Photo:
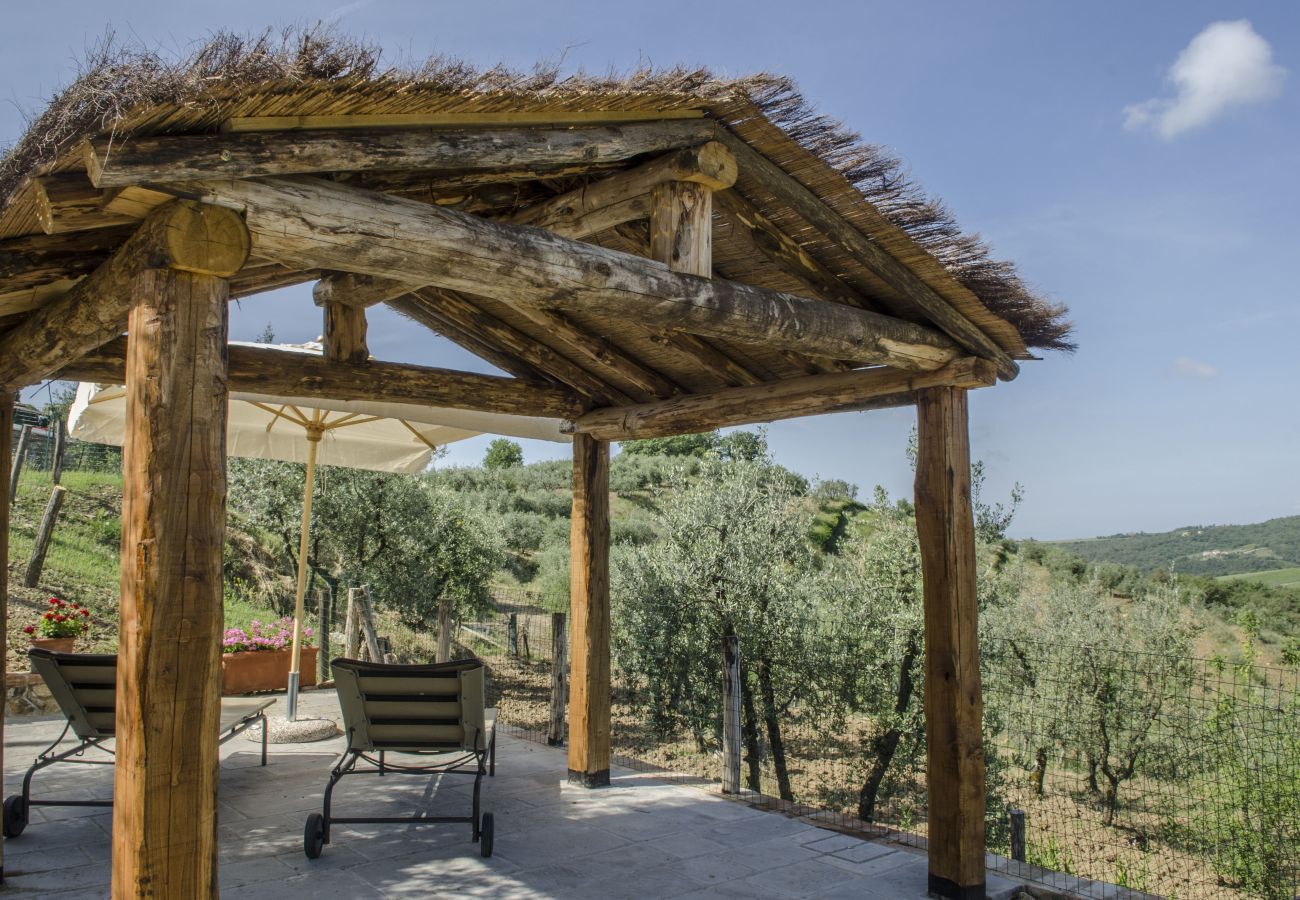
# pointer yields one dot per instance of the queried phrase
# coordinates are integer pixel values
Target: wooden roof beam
(422, 312)
(915, 297)
(318, 224)
(786, 399)
(114, 162)
(186, 236)
(264, 370)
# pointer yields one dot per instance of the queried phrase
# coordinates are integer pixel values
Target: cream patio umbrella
(379, 436)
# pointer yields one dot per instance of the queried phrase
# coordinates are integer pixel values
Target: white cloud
(1225, 66)
(1194, 368)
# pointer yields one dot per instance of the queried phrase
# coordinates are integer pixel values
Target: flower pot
(264, 670)
(58, 645)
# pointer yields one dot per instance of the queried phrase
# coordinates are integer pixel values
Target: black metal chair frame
(478, 763)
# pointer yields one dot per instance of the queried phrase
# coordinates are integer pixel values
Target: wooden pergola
(641, 259)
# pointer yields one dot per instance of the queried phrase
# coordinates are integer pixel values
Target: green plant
(61, 620)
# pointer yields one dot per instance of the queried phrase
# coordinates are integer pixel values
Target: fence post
(20, 452)
(42, 544)
(731, 714)
(322, 637)
(512, 634)
(368, 625)
(1018, 835)
(60, 443)
(352, 627)
(559, 662)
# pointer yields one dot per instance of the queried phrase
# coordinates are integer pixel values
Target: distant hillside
(1200, 549)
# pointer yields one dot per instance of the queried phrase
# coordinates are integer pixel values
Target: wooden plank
(953, 701)
(156, 159)
(589, 698)
(312, 223)
(914, 297)
(173, 523)
(185, 236)
(44, 533)
(519, 118)
(264, 370)
(68, 202)
(788, 398)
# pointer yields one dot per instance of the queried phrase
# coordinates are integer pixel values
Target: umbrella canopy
(383, 437)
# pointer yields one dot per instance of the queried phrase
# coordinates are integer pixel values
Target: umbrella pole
(313, 440)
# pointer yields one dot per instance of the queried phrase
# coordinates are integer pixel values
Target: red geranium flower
(30, 629)
(48, 615)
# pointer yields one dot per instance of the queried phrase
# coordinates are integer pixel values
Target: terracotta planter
(264, 670)
(58, 645)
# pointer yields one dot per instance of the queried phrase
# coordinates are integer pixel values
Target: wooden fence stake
(352, 627)
(1018, 835)
(512, 634)
(559, 662)
(20, 453)
(368, 625)
(60, 444)
(322, 637)
(731, 714)
(37, 561)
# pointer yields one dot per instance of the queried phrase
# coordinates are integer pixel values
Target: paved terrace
(641, 837)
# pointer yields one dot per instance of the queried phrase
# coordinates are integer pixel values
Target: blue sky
(1142, 174)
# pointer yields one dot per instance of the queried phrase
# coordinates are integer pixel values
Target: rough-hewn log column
(6, 438)
(788, 398)
(311, 223)
(345, 333)
(173, 521)
(589, 724)
(185, 236)
(264, 370)
(953, 701)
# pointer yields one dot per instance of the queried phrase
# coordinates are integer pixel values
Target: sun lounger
(434, 712)
(85, 687)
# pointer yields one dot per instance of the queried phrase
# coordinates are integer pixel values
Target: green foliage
(697, 445)
(834, 489)
(503, 453)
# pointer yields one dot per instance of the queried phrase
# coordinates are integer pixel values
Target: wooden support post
(6, 438)
(173, 523)
(60, 447)
(43, 535)
(322, 636)
(731, 740)
(17, 468)
(1018, 835)
(953, 702)
(368, 625)
(345, 333)
(512, 634)
(352, 626)
(442, 651)
(589, 723)
(559, 664)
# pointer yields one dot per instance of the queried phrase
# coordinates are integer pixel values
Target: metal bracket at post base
(589, 779)
(291, 701)
(950, 890)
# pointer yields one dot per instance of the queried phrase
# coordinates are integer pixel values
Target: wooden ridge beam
(114, 162)
(915, 296)
(785, 399)
(262, 370)
(316, 224)
(184, 236)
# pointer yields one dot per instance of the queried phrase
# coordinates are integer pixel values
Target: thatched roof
(130, 92)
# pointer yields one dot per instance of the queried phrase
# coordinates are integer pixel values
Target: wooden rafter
(785, 399)
(152, 159)
(312, 223)
(419, 310)
(262, 370)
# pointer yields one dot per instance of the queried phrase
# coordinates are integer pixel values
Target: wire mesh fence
(1168, 776)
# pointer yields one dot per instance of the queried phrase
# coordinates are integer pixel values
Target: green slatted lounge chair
(85, 687)
(433, 712)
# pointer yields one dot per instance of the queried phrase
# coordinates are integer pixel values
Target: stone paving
(641, 837)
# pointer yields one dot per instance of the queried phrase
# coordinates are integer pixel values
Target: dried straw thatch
(132, 90)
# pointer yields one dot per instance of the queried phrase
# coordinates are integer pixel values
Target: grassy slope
(1275, 577)
(1210, 550)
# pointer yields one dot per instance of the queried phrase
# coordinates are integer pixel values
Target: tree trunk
(884, 746)
(1040, 770)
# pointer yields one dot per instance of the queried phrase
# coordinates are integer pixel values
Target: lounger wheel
(15, 815)
(485, 830)
(313, 836)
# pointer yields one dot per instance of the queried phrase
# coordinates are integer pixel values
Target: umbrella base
(299, 731)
